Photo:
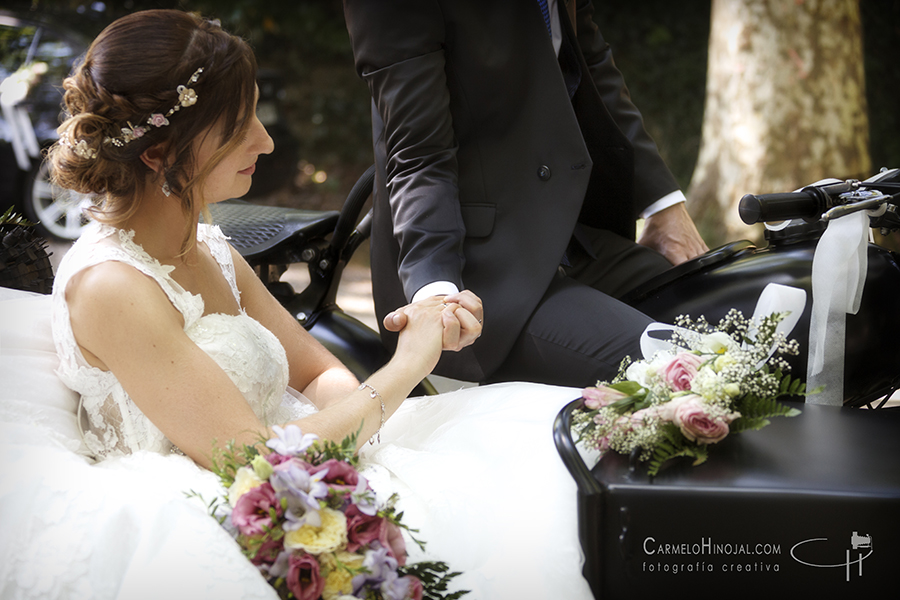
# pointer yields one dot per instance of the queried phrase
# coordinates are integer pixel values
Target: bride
(174, 345)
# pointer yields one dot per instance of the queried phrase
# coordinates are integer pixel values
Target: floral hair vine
(187, 96)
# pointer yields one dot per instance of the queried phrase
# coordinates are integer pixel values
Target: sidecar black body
(806, 507)
(733, 276)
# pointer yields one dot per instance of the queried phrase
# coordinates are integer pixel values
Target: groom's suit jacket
(488, 153)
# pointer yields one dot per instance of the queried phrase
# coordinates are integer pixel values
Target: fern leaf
(756, 407)
(747, 424)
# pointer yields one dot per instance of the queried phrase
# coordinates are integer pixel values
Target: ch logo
(858, 543)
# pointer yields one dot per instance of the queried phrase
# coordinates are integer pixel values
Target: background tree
(660, 46)
(785, 104)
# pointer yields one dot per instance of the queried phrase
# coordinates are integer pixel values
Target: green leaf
(631, 388)
(674, 445)
(752, 407)
(434, 577)
(747, 424)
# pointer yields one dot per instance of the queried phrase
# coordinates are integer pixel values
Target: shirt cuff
(436, 288)
(663, 203)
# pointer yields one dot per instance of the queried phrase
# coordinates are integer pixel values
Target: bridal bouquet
(308, 520)
(707, 382)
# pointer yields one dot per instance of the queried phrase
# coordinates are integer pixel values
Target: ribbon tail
(839, 272)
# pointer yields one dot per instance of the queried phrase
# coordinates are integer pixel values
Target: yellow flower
(338, 580)
(244, 481)
(329, 537)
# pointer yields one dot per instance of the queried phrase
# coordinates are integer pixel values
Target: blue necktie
(545, 10)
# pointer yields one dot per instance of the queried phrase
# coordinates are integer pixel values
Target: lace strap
(92, 249)
(218, 246)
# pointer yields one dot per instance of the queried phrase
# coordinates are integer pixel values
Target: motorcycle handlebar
(809, 203)
(759, 208)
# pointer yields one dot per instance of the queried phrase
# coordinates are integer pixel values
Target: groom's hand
(470, 313)
(467, 309)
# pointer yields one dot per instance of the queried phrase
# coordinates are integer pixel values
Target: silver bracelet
(374, 394)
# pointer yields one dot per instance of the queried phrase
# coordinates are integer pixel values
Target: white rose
(722, 362)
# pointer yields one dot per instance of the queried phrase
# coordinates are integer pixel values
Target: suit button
(544, 173)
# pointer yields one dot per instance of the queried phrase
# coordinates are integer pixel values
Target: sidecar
(806, 507)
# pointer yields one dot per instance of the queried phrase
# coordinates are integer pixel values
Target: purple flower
(396, 588)
(290, 440)
(279, 568)
(251, 513)
(380, 567)
(364, 498)
(301, 491)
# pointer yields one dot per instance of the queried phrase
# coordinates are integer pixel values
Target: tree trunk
(785, 105)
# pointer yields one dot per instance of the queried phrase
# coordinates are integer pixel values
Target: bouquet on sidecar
(692, 391)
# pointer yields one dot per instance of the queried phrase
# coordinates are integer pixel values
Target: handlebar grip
(759, 208)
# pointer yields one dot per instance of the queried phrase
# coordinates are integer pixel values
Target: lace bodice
(250, 354)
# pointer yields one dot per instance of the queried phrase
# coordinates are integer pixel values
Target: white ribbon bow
(774, 298)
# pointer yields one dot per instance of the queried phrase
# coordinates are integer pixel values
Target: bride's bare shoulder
(112, 290)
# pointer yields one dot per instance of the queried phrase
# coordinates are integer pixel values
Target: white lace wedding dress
(476, 471)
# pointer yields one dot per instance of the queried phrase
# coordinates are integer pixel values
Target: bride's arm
(124, 323)
(313, 369)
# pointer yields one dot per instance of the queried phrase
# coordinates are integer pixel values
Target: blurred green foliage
(659, 45)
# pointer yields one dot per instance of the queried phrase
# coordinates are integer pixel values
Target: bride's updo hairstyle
(134, 70)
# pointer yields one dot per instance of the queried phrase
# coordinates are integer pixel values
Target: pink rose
(303, 577)
(362, 529)
(697, 425)
(251, 513)
(394, 542)
(157, 120)
(340, 473)
(276, 459)
(681, 370)
(415, 588)
(600, 396)
(268, 552)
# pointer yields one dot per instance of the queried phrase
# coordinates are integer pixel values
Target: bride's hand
(429, 326)
(469, 314)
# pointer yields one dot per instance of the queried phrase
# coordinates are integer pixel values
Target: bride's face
(231, 178)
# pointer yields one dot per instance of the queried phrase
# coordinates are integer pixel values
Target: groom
(512, 165)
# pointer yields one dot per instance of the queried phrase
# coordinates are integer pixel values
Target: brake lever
(879, 200)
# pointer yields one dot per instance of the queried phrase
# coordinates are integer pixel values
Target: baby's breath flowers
(714, 380)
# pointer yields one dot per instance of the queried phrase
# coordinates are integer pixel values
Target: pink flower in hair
(158, 120)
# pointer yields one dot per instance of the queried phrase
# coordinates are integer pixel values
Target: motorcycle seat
(705, 261)
(271, 234)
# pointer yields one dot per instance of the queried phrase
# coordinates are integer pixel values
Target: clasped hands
(462, 316)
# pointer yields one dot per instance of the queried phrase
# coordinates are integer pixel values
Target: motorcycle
(731, 276)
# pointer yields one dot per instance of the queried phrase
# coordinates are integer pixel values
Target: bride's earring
(166, 189)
